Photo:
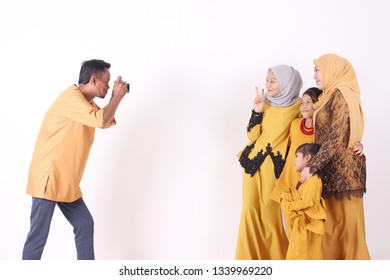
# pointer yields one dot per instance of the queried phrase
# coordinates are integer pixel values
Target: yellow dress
(261, 234)
(289, 177)
(305, 210)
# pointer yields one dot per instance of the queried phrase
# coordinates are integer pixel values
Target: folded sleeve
(78, 109)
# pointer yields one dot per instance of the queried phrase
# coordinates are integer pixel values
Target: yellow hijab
(338, 74)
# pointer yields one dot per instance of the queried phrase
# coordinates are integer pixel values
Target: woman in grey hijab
(290, 83)
(261, 233)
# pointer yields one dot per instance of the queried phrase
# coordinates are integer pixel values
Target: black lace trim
(252, 165)
(327, 193)
(343, 195)
(256, 118)
(277, 161)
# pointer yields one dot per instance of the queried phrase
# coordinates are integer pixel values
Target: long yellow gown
(261, 234)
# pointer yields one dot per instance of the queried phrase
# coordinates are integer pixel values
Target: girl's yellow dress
(299, 135)
(305, 212)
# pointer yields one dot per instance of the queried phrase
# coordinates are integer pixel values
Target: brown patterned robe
(343, 174)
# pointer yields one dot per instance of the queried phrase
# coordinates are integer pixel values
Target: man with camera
(60, 156)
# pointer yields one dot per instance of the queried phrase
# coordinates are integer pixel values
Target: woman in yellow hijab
(339, 123)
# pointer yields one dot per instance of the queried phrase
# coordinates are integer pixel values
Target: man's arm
(119, 91)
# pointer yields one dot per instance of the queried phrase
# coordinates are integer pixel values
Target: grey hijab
(290, 84)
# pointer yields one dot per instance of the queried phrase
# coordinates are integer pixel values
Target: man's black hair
(92, 67)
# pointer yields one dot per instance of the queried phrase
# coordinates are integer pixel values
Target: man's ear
(93, 80)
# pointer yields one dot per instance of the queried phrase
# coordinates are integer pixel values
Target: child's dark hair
(308, 149)
(314, 93)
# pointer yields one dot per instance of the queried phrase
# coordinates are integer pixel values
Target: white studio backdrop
(165, 182)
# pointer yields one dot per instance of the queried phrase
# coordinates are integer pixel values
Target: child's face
(300, 162)
(272, 84)
(307, 109)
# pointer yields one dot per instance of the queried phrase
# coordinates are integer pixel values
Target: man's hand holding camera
(120, 87)
(119, 91)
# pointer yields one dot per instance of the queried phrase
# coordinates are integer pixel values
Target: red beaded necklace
(305, 130)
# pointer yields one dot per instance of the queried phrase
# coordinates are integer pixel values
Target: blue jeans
(76, 213)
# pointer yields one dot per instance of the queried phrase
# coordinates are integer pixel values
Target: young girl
(305, 210)
(301, 131)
